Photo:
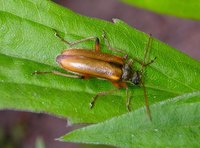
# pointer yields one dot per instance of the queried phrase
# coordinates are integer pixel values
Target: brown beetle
(94, 63)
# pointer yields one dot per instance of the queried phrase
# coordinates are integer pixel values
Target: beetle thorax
(129, 75)
(127, 72)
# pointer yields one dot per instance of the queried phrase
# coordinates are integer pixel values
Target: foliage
(180, 8)
(28, 43)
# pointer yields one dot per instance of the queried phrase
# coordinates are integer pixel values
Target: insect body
(94, 63)
(89, 63)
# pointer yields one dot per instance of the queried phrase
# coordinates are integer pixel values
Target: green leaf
(180, 8)
(28, 43)
(39, 143)
(176, 123)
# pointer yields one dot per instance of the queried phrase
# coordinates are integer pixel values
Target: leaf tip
(61, 139)
(119, 22)
(116, 20)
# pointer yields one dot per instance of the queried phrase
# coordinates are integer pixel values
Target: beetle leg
(146, 100)
(120, 84)
(128, 101)
(85, 76)
(130, 62)
(82, 40)
(110, 47)
(125, 57)
(144, 64)
(145, 55)
(59, 73)
(150, 39)
(57, 35)
(97, 47)
(150, 62)
(128, 98)
(94, 99)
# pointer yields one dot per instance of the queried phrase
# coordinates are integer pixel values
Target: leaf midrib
(54, 67)
(148, 86)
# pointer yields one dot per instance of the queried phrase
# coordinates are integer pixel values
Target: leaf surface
(176, 123)
(28, 43)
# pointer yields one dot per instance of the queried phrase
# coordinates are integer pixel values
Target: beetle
(84, 63)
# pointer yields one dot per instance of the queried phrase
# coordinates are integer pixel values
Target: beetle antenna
(146, 101)
(145, 54)
(142, 79)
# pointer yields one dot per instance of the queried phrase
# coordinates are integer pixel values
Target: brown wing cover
(89, 66)
(94, 55)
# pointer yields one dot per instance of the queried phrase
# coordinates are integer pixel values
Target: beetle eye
(136, 78)
(136, 81)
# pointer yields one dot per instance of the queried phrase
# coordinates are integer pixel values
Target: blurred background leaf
(180, 8)
(39, 143)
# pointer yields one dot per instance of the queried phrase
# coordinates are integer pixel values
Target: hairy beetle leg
(94, 99)
(97, 45)
(58, 73)
(128, 101)
(110, 47)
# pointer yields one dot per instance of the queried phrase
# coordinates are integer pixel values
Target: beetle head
(130, 75)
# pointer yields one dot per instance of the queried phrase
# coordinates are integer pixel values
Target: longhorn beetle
(94, 63)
